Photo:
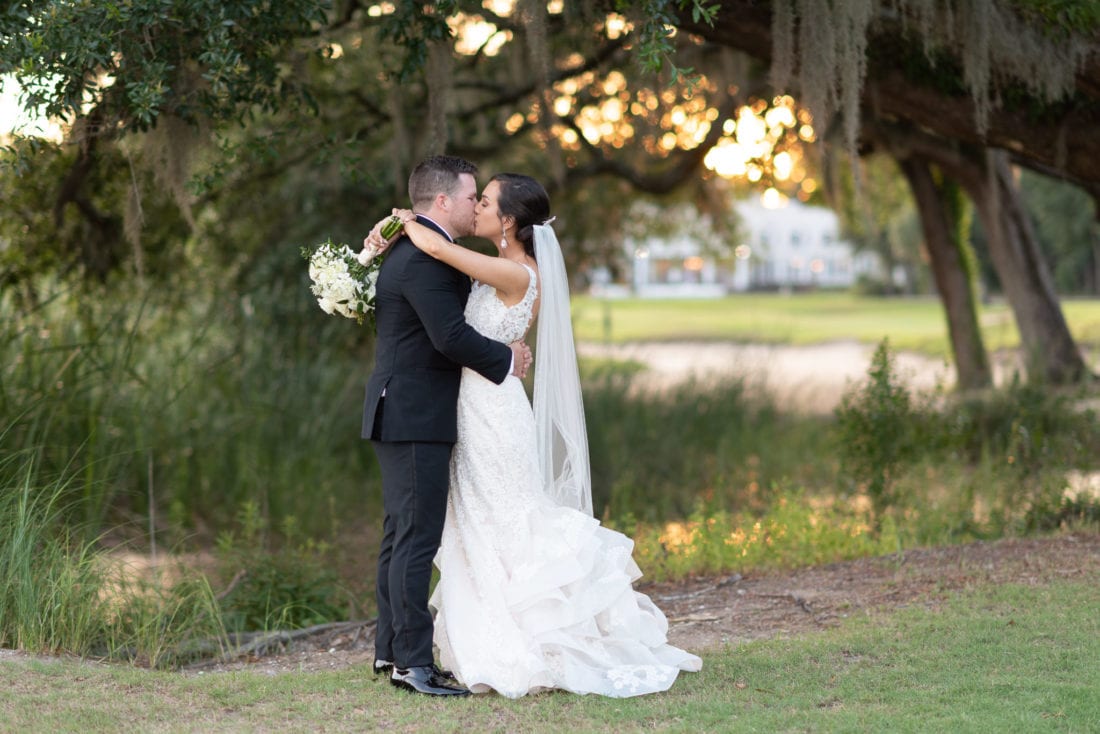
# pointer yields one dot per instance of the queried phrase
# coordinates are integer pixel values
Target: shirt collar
(438, 226)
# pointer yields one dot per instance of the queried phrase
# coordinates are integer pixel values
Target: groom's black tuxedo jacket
(422, 344)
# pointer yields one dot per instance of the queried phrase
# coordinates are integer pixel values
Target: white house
(788, 247)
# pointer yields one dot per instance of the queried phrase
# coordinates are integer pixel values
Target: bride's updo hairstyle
(524, 199)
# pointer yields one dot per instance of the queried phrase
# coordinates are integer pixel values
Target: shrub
(289, 587)
(1031, 425)
(795, 530)
(878, 430)
(1048, 513)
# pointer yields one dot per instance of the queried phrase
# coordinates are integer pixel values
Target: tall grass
(659, 455)
(52, 586)
(206, 403)
(162, 415)
(910, 469)
(200, 395)
(193, 415)
(60, 593)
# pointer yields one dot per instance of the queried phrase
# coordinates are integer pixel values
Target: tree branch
(685, 165)
(1064, 143)
(511, 96)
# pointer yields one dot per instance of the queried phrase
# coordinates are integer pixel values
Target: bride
(533, 593)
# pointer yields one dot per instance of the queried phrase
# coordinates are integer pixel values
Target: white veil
(559, 410)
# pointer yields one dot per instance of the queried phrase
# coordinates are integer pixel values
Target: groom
(410, 414)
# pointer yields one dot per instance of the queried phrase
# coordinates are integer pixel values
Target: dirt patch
(711, 613)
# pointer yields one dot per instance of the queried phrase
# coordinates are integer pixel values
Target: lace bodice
(488, 314)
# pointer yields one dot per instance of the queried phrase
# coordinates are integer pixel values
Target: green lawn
(910, 323)
(995, 659)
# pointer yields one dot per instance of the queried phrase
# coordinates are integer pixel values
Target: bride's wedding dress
(533, 595)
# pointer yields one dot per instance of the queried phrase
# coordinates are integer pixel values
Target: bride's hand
(405, 215)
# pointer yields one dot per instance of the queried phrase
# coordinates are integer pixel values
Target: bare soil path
(709, 613)
(804, 378)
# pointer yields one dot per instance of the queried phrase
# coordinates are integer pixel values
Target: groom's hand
(374, 243)
(521, 359)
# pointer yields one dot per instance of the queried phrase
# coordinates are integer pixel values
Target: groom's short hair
(437, 175)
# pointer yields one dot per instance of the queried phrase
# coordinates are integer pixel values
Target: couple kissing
(534, 593)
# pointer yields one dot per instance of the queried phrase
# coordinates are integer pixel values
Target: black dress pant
(415, 477)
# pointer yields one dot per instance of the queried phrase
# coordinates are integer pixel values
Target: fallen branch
(260, 644)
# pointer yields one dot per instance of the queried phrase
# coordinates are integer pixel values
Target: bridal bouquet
(343, 282)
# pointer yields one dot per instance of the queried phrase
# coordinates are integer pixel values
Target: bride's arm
(509, 278)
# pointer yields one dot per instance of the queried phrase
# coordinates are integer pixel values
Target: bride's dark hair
(525, 200)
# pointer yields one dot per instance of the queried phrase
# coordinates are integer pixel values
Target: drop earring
(503, 241)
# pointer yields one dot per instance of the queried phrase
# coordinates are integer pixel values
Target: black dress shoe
(424, 679)
(386, 666)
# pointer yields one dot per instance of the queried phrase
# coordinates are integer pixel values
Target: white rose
(327, 305)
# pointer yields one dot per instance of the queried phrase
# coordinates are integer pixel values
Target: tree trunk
(1050, 352)
(1094, 286)
(1094, 261)
(951, 270)
(889, 264)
